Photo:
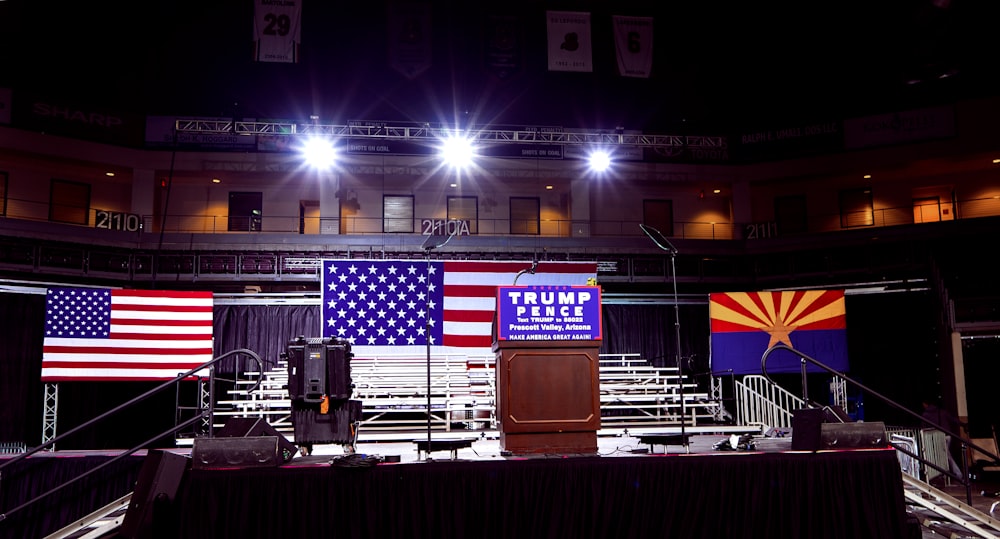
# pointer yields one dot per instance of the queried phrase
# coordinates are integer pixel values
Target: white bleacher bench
(393, 392)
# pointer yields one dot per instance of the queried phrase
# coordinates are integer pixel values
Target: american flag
(384, 306)
(127, 335)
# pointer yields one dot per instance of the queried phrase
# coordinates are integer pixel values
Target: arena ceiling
(717, 65)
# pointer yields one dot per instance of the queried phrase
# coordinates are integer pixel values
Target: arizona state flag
(744, 325)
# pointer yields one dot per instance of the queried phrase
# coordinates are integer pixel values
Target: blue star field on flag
(383, 303)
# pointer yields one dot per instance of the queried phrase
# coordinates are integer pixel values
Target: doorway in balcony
(933, 204)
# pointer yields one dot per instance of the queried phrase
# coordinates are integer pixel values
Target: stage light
(599, 161)
(319, 152)
(458, 152)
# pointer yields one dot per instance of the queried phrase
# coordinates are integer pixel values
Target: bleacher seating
(393, 391)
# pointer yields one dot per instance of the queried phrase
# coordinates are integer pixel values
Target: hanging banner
(409, 38)
(503, 45)
(569, 41)
(634, 45)
(277, 30)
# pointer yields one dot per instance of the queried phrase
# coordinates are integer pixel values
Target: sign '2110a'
(445, 227)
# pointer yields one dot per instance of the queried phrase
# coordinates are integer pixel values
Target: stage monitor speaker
(806, 423)
(248, 452)
(152, 500)
(240, 427)
(854, 435)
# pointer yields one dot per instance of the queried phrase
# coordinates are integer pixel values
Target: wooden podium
(548, 396)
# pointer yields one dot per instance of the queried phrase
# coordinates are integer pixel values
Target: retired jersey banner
(101, 334)
(744, 325)
(504, 41)
(392, 307)
(409, 38)
(634, 45)
(277, 30)
(569, 41)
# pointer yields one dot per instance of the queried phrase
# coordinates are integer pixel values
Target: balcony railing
(31, 210)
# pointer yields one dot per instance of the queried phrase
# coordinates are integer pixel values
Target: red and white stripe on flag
(470, 293)
(634, 45)
(277, 30)
(99, 334)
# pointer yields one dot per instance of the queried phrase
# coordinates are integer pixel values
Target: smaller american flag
(104, 334)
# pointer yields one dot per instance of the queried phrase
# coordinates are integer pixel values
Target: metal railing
(165, 385)
(205, 223)
(761, 402)
(805, 360)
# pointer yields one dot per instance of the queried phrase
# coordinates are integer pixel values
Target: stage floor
(745, 481)
(487, 447)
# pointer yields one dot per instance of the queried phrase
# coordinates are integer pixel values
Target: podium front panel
(548, 387)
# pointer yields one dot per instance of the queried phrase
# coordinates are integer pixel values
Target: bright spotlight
(458, 152)
(319, 153)
(600, 161)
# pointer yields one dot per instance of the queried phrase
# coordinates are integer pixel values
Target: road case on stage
(319, 369)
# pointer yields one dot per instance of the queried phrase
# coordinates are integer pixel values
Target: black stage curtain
(22, 326)
(648, 330)
(36, 475)
(847, 494)
(651, 331)
(262, 329)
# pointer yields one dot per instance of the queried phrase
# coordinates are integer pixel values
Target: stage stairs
(393, 391)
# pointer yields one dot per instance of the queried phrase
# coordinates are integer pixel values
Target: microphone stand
(431, 243)
(663, 243)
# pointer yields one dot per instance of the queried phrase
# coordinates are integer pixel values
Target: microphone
(658, 238)
(531, 270)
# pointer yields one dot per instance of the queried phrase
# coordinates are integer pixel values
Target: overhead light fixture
(457, 151)
(868, 176)
(717, 191)
(109, 174)
(216, 180)
(319, 152)
(599, 160)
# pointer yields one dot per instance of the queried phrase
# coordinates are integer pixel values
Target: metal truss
(426, 132)
(50, 411)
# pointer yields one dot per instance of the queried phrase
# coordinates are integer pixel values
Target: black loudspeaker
(854, 435)
(242, 427)
(153, 497)
(248, 452)
(806, 423)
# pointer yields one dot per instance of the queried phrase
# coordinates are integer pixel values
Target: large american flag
(127, 335)
(384, 307)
